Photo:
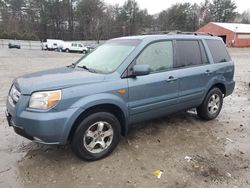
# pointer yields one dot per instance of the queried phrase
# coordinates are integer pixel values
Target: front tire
(211, 106)
(96, 136)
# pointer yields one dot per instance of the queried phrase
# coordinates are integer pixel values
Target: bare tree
(245, 17)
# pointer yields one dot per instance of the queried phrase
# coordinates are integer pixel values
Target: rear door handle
(171, 79)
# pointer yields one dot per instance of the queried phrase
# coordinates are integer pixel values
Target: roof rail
(177, 32)
(158, 32)
(195, 33)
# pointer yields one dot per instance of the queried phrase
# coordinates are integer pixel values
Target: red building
(233, 34)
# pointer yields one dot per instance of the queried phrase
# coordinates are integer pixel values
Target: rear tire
(96, 136)
(211, 106)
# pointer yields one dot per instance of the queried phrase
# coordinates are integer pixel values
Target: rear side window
(218, 51)
(188, 53)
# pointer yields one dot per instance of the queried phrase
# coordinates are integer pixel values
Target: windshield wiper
(72, 65)
(88, 69)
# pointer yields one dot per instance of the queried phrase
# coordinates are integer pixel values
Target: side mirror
(141, 70)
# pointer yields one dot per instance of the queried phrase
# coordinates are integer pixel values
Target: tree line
(96, 20)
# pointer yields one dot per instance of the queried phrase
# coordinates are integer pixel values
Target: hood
(55, 79)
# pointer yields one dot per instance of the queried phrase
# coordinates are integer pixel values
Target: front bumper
(42, 127)
(18, 130)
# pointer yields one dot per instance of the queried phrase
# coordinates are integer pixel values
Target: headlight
(44, 100)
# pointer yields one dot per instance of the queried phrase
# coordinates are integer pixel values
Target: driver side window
(159, 56)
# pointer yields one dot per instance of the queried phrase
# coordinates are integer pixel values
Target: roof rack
(177, 32)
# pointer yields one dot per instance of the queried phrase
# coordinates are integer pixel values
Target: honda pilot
(94, 101)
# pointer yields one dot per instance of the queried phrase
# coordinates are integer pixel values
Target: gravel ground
(188, 151)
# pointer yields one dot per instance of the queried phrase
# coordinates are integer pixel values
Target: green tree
(3, 14)
(180, 16)
(205, 13)
(95, 19)
(145, 21)
(50, 18)
(2, 3)
(223, 10)
(14, 14)
(128, 15)
(89, 16)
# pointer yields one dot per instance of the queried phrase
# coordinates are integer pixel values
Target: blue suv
(127, 80)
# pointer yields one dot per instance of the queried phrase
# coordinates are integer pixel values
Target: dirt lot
(218, 151)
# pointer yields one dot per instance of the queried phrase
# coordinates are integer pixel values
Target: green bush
(33, 36)
(25, 36)
(15, 35)
(18, 36)
(4, 35)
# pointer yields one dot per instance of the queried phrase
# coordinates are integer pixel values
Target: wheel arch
(212, 85)
(106, 107)
(221, 86)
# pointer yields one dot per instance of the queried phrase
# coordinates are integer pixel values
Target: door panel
(152, 95)
(195, 72)
(73, 47)
(153, 92)
(193, 83)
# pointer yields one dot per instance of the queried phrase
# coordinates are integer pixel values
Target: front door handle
(208, 72)
(171, 79)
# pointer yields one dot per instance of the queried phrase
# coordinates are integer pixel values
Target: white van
(52, 44)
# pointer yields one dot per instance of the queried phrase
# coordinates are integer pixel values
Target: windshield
(108, 57)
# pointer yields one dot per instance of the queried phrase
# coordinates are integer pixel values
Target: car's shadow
(164, 137)
(152, 127)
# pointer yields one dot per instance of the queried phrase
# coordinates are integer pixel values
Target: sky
(156, 6)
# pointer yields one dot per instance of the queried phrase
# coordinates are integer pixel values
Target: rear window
(188, 53)
(218, 51)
